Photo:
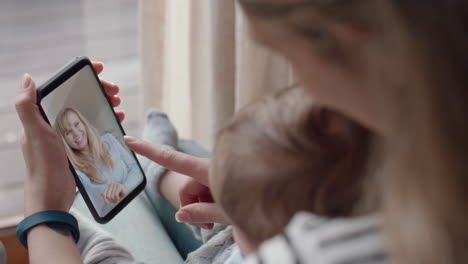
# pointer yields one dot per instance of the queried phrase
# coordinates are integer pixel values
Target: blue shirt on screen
(125, 172)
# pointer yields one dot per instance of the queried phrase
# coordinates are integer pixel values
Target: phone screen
(106, 168)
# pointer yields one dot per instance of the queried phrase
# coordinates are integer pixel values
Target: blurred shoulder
(311, 239)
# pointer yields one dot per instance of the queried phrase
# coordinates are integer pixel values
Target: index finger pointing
(191, 166)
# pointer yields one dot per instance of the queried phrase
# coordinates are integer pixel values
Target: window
(38, 37)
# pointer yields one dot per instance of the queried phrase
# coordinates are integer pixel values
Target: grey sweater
(307, 239)
(218, 247)
(98, 247)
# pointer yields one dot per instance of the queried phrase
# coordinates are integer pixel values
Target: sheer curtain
(200, 66)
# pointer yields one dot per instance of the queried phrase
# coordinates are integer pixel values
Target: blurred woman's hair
(97, 150)
(422, 180)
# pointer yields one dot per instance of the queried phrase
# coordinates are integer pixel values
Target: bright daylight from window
(38, 37)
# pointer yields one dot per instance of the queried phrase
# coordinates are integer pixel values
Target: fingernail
(182, 217)
(26, 81)
(129, 139)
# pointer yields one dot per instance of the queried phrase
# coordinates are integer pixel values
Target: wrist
(60, 222)
(41, 196)
(46, 228)
(35, 202)
(31, 208)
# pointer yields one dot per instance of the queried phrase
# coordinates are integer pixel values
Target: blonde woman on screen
(105, 168)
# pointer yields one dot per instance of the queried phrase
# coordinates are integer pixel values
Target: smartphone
(107, 173)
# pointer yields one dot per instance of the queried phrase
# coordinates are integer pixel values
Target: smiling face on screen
(75, 132)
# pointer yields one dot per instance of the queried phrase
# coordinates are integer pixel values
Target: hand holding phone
(49, 184)
(79, 108)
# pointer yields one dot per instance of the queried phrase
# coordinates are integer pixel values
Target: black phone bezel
(62, 75)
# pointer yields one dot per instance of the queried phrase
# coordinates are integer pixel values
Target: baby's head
(282, 155)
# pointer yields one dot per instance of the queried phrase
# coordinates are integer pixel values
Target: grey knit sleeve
(97, 247)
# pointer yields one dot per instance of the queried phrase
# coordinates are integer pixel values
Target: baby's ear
(336, 124)
(316, 125)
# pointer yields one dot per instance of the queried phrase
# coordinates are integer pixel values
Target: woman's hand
(194, 194)
(198, 208)
(49, 184)
(111, 90)
(114, 193)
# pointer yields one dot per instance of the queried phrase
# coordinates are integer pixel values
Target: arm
(119, 184)
(172, 185)
(49, 184)
(187, 183)
(169, 185)
(48, 246)
(98, 246)
(94, 192)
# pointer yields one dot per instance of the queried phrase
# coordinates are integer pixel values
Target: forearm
(48, 246)
(169, 185)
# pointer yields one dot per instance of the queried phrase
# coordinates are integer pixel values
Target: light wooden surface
(40, 36)
(16, 254)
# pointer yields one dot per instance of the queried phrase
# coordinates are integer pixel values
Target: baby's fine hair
(281, 155)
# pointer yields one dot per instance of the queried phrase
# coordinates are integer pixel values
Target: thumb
(25, 104)
(200, 213)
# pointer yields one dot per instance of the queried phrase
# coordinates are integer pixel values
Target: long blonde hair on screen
(421, 187)
(98, 151)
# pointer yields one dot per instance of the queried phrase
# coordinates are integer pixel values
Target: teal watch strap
(53, 219)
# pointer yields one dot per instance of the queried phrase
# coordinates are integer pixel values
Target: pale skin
(75, 133)
(49, 184)
(77, 138)
(345, 82)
